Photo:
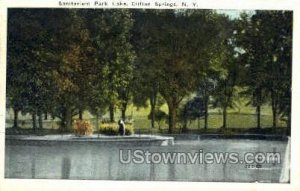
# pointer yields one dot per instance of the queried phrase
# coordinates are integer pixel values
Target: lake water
(96, 162)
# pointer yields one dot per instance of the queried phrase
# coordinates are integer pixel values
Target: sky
(233, 14)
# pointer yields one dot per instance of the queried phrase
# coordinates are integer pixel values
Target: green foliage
(30, 82)
(106, 58)
(68, 64)
(112, 56)
(160, 117)
(173, 57)
(113, 129)
(193, 109)
(265, 39)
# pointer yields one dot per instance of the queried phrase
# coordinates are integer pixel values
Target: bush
(160, 117)
(113, 128)
(82, 127)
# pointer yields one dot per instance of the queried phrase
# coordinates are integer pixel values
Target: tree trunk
(152, 117)
(274, 113)
(123, 114)
(80, 113)
(274, 110)
(34, 121)
(172, 118)
(16, 118)
(46, 116)
(68, 118)
(152, 104)
(185, 123)
(111, 113)
(40, 120)
(97, 121)
(258, 108)
(289, 124)
(63, 119)
(224, 117)
(206, 112)
(123, 111)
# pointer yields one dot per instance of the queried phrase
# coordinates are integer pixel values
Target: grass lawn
(244, 117)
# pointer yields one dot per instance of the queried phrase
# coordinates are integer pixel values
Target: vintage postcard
(130, 95)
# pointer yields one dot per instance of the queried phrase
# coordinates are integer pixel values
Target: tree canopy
(63, 62)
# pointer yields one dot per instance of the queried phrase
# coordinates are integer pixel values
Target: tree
(206, 88)
(225, 90)
(192, 110)
(178, 42)
(146, 84)
(72, 53)
(29, 80)
(114, 56)
(277, 29)
(70, 69)
(250, 39)
(160, 117)
(265, 39)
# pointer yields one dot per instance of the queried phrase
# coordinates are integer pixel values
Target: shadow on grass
(156, 131)
(38, 132)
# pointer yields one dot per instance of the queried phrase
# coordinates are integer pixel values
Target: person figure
(121, 127)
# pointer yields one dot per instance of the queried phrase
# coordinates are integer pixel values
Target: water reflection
(109, 167)
(152, 171)
(66, 168)
(171, 172)
(33, 168)
(100, 162)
